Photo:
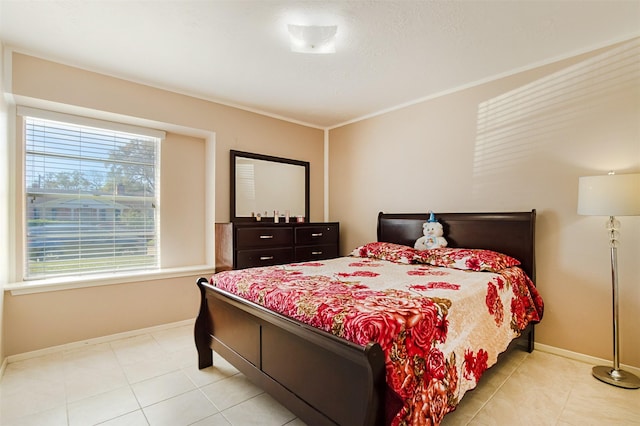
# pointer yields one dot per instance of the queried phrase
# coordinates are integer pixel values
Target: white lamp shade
(609, 195)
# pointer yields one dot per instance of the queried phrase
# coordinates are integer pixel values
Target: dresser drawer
(263, 237)
(263, 257)
(319, 252)
(318, 234)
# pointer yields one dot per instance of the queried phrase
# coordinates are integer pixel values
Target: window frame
(24, 113)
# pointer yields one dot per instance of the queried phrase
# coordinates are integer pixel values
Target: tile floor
(152, 379)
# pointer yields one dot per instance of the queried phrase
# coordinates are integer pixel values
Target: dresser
(267, 243)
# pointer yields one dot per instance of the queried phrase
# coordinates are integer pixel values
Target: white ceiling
(388, 53)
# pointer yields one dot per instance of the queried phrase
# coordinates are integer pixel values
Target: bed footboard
(202, 329)
(284, 357)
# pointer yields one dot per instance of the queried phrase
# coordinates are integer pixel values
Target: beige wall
(515, 143)
(43, 320)
(35, 321)
(233, 128)
(4, 200)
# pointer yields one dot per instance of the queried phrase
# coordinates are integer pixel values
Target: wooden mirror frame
(235, 154)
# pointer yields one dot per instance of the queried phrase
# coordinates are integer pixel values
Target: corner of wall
(4, 198)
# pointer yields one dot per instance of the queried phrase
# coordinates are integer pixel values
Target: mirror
(262, 183)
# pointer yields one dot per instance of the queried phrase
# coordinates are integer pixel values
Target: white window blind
(91, 198)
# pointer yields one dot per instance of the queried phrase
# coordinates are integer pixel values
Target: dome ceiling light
(312, 38)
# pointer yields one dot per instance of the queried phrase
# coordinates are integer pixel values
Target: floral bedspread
(440, 328)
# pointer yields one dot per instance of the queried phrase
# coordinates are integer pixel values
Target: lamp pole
(615, 376)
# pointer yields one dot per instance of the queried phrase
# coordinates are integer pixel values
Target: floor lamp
(612, 195)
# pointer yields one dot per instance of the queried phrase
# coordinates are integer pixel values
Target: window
(91, 196)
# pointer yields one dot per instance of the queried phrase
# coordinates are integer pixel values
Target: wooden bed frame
(322, 379)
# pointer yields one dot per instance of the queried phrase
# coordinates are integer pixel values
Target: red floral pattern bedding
(440, 328)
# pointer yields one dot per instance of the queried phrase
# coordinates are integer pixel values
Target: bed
(325, 379)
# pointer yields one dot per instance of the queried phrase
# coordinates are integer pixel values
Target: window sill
(70, 283)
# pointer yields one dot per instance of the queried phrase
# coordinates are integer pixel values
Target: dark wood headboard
(510, 233)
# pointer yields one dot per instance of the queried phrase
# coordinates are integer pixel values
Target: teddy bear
(432, 238)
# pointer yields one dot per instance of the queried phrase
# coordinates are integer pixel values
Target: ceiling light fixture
(312, 38)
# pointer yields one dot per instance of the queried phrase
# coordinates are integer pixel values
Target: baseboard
(583, 358)
(95, 341)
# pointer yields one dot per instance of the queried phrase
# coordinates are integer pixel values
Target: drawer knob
(266, 257)
(316, 253)
(319, 234)
(266, 237)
